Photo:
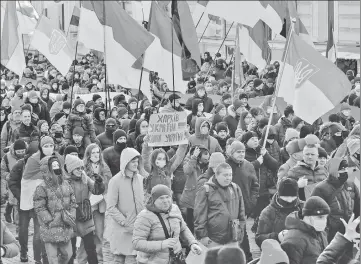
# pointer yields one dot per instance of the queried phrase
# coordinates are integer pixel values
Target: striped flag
(74, 20)
(27, 15)
(331, 45)
(52, 43)
(12, 50)
(309, 81)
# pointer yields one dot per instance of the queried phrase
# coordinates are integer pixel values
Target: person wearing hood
(54, 86)
(197, 111)
(3, 117)
(222, 135)
(202, 95)
(141, 128)
(50, 208)
(132, 106)
(341, 194)
(291, 134)
(269, 87)
(272, 219)
(232, 119)
(43, 127)
(284, 123)
(99, 120)
(45, 96)
(220, 112)
(124, 202)
(305, 237)
(202, 136)
(83, 187)
(112, 154)
(226, 100)
(18, 99)
(345, 115)
(106, 138)
(271, 253)
(56, 132)
(157, 245)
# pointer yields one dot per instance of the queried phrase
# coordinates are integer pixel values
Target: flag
(187, 36)
(125, 40)
(238, 69)
(53, 44)
(273, 14)
(51, 4)
(159, 57)
(254, 45)
(331, 45)
(309, 81)
(12, 50)
(74, 20)
(27, 15)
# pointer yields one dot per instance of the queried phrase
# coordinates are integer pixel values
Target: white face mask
(48, 151)
(160, 163)
(319, 224)
(270, 141)
(94, 158)
(288, 199)
(201, 93)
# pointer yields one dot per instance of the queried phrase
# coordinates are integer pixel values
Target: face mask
(94, 159)
(343, 176)
(204, 130)
(319, 224)
(270, 141)
(58, 135)
(48, 151)
(346, 112)
(121, 145)
(57, 172)
(160, 163)
(201, 93)
(288, 199)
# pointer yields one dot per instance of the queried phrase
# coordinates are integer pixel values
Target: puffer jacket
(105, 140)
(281, 127)
(192, 170)
(302, 243)
(8, 242)
(206, 140)
(273, 217)
(30, 134)
(49, 200)
(76, 119)
(179, 179)
(124, 202)
(244, 175)
(283, 170)
(215, 208)
(6, 133)
(343, 199)
(148, 234)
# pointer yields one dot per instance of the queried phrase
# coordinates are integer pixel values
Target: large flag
(187, 36)
(125, 40)
(309, 81)
(161, 26)
(331, 45)
(27, 15)
(12, 50)
(53, 44)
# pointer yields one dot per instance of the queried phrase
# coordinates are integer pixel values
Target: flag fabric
(331, 45)
(74, 20)
(238, 70)
(309, 81)
(159, 57)
(53, 44)
(125, 40)
(27, 16)
(12, 50)
(187, 36)
(51, 4)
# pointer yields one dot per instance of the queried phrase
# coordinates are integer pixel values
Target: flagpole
(72, 87)
(199, 20)
(172, 11)
(204, 31)
(279, 80)
(105, 64)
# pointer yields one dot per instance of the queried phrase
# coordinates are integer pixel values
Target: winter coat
(99, 126)
(283, 170)
(6, 166)
(284, 155)
(207, 102)
(215, 208)
(30, 134)
(192, 170)
(49, 201)
(16, 175)
(148, 234)
(346, 121)
(343, 199)
(83, 188)
(48, 101)
(206, 140)
(203, 178)
(281, 127)
(273, 217)
(232, 120)
(6, 134)
(302, 243)
(40, 109)
(244, 175)
(105, 139)
(112, 159)
(76, 119)
(57, 107)
(179, 179)
(124, 202)
(8, 242)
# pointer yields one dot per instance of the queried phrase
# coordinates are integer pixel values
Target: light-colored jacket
(8, 241)
(124, 202)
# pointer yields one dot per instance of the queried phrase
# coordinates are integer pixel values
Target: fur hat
(288, 187)
(46, 140)
(291, 133)
(247, 136)
(315, 206)
(160, 190)
(215, 159)
(272, 253)
(73, 162)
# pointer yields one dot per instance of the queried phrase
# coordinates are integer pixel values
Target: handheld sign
(167, 129)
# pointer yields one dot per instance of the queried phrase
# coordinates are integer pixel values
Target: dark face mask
(338, 140)
(58, 135)
(120, 145)
(110, 130)
(57, 172)
(343, 176)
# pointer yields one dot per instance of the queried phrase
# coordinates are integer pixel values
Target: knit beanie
(315, 206)
(291, 133)
(306, 130)
(58, 116)
(322, 153)
(40, 123)
(70, 149)
(272, 253)
(257, 82)
(219, 107)
(122, 111)
(353, 145)
(296, 121)
(221, 126)
(160, 190)
(345, 106)
(247, 136)
(66, 105)
(288, 187)
(263, 122)
(73, 162)
(231, 255)
(27, 107)
(236, 104)
(235, 146)
(110, 121)
(226, 96)
(96, 97)
(19, 144)
(119, 133)
(242, 96)
(215, 159)
(78, 131)
(78, 101)
(46, 140)
(132, 100)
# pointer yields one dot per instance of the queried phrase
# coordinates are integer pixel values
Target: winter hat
(66, 105)
(315, 206)
(298, 145)
(215, 159)
(96, 97)
(247, 136)
(291, 133)
(46, 140)
(160, 190)
(272, 253)
(288, 187)
(40, 123)
(70, 149)
(345, 106)
(55, 128)
(296, 121)
(15, 106)
(306, 130)
(78, 101)
(65, 86)
(243, 95)
(235, 146)
(237, 104)
(110, 121)
(58, 116)
(17, 87)
(219, 107)
(32, 94)
(122, 111)
(19, 144)
(221, 126)
(353, 145)
(73, 162)
(231, 255)
(263, 122)
(132, 100)
(119, 133)
(322, 153)
(78, 131)
(226, 96)
(27, 107)
(257, 82)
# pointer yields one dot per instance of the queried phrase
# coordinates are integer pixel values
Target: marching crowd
(86, 170)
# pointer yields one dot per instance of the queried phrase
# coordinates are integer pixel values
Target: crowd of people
(85, 171)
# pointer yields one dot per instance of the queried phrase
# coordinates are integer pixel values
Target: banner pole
(204, 31)
(199, 20)
(104, 59)
(72, 87)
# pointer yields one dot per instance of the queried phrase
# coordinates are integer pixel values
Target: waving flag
(310, 82)
(331, 45)
(27, 15)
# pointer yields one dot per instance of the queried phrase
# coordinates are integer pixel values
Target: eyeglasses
(79, 168)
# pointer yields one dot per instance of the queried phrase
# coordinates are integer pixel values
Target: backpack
(206, 186)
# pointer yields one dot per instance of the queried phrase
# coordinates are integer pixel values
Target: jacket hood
(285, 122)
(97, 112)
(41, 92)
(200, 121)
(195, 104)
(276, 204)
(48, 175)
(294, 222)
(127, 155)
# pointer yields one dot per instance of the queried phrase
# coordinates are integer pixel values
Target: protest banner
(167, 129)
